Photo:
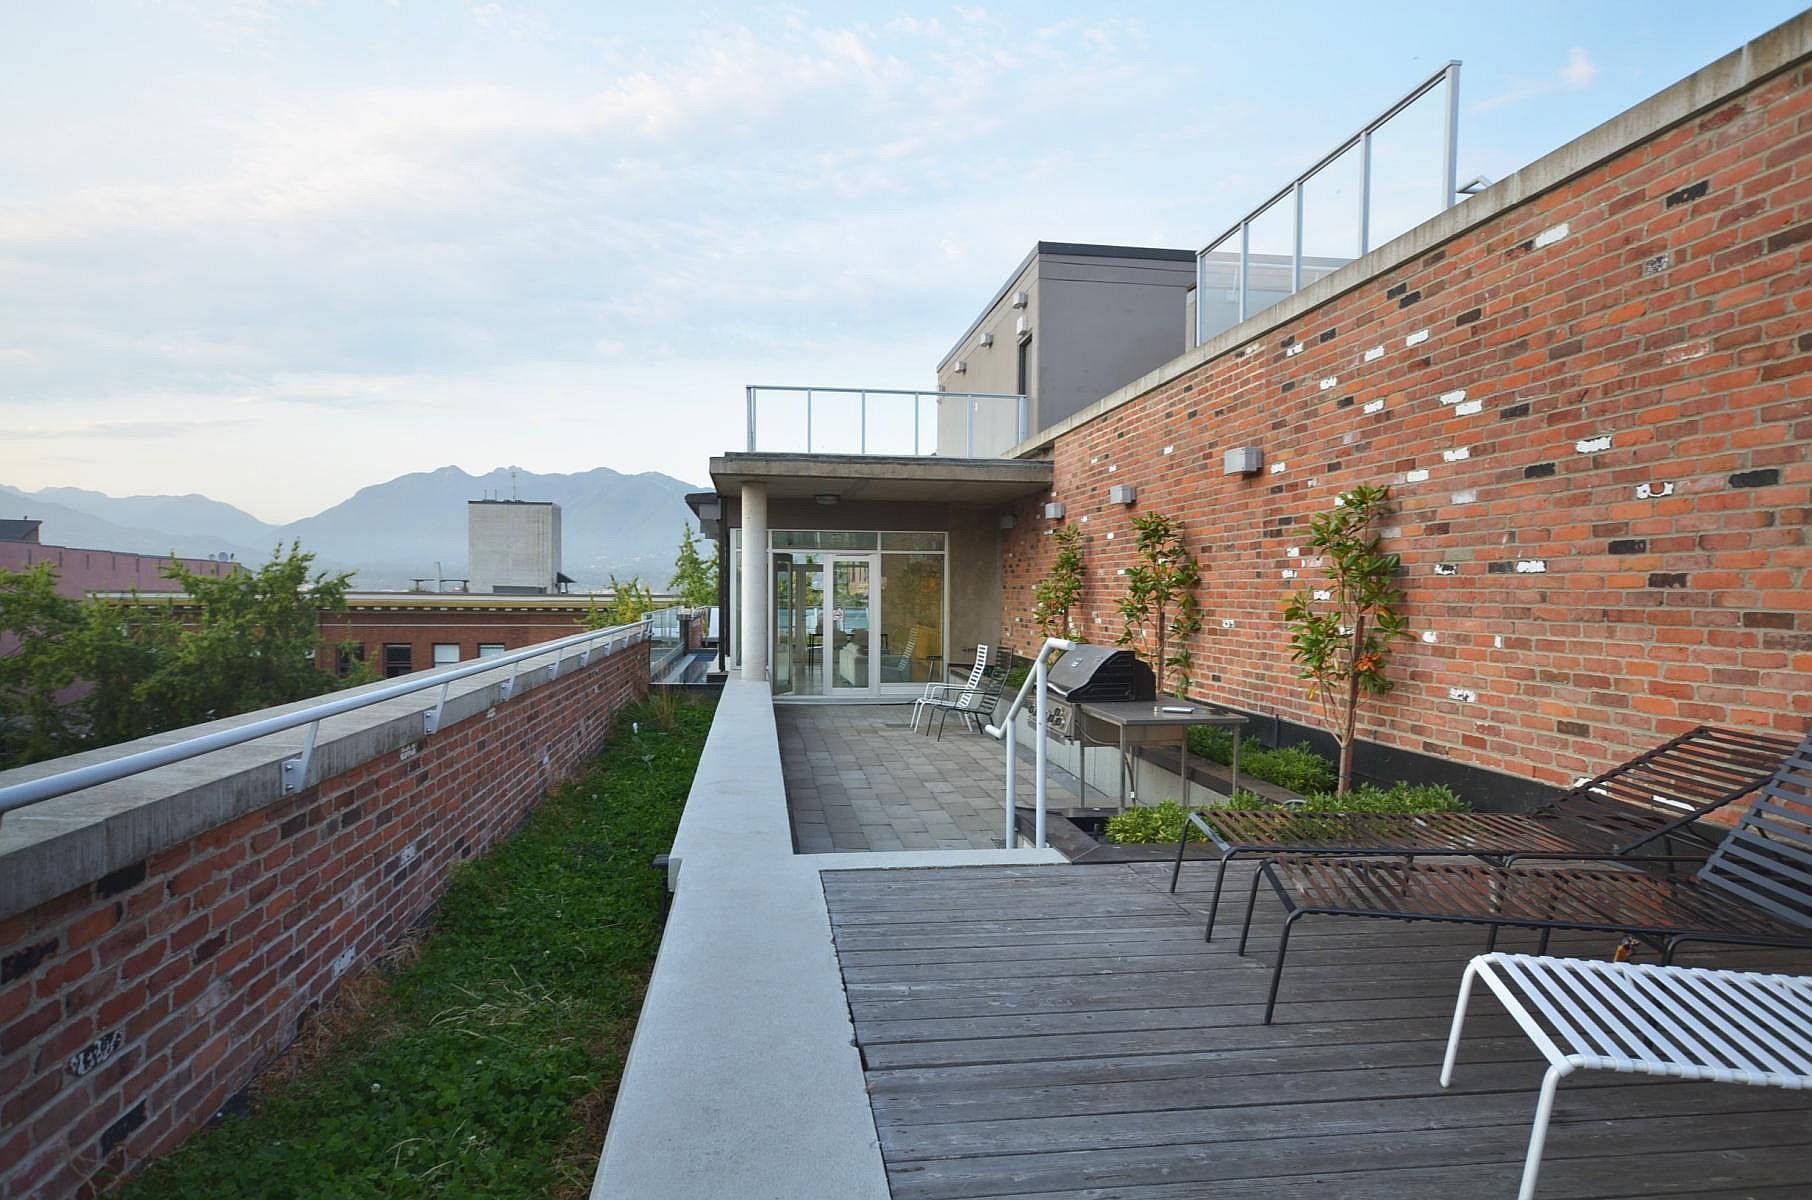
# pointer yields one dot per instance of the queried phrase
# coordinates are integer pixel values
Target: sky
(273, 252)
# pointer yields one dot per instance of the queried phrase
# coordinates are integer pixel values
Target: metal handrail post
(1450, 158)
(1012, 839)
(1245, 246)
(751, 419)
(1025, 416)
(1296, 243)
(1365, 193)
(1041, 751)
(808, 420)
(862, 428)
(1036, 677)
(969, 428)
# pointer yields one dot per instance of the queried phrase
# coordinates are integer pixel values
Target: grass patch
(483, 1062)
(1164, 822)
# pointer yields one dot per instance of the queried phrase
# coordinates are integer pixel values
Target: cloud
(1579, 73)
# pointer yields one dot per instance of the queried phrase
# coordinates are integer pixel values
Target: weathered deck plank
(1063, 1033)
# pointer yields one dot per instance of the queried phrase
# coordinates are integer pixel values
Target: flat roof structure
(882, 477)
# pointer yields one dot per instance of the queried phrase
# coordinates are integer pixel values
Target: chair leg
(1214, 905)
(1459, 1022)
(1283, 944)
(1176, 870)
(1538, 1137)
(943, 714)
(1251, 904)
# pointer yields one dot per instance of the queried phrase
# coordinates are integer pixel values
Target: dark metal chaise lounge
(1642, 805)
(1755, 889)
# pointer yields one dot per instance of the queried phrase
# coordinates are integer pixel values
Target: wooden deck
(1062, 1033)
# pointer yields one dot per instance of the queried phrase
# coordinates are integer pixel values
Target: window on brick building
(399, 659)
(489, 649)
(348, 653)
(446, 653)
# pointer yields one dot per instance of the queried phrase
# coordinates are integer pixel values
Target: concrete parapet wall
(1590, 390)
(164, 936)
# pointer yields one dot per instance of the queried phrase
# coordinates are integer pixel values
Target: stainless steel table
(1129, 723)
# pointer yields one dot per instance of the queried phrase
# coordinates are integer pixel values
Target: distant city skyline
(273, 253)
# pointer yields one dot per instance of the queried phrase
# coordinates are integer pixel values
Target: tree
(1160, 592)
(41, 662)
(694, 576)
(128, 668)
(249, 641)
(1057, 593)
(629, 603)
(1343, 651)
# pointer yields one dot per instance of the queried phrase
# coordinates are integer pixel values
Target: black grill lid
(1102, 674)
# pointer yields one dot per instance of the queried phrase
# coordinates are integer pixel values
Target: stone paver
(858, 779)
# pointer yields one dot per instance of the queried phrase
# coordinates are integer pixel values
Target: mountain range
(388, 533)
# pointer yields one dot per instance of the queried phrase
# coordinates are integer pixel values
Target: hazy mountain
(389, 532)
(67, 525)
(192, 516)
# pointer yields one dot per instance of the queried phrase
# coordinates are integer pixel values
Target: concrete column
(755, 616)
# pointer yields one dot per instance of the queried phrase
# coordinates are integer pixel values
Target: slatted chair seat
(973, 706)
(1678, 1022)
(1638, 807)
(1755, 888)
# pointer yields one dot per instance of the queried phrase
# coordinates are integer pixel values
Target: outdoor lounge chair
(950, 691)
(973, 706)
(1683, 1022)
(1643, 805)
(1755, 889)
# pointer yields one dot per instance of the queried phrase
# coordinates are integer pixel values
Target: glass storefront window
(912, 617)
(912, 541)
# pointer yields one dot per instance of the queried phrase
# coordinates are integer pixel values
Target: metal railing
(829, 420)
(295, 770)
(1035, 683)
(1242, 228)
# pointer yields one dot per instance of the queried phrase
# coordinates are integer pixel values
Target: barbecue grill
(1094, 675)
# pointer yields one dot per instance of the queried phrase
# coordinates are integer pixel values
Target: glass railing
(828, 420)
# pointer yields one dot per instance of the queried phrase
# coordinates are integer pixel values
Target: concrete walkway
(743, 1079)
(858, 779)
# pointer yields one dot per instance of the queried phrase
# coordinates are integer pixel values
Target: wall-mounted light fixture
(1243, 460)
(1006, 520)
(1022, 325)
(1054, 511)
(1020, 299)
(986, 340)
(1121, 493)
(962, 366)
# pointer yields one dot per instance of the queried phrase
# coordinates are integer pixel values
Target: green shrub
(1164, 822)
(1294, 768)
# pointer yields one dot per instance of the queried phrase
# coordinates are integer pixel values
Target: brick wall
(467, 628)
(132, 1007)
(1595, 413)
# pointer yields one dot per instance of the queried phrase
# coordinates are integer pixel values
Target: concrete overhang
(874, 477)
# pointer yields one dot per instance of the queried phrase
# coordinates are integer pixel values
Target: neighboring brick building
(399, 632)
(1590, 389)
(81, 571)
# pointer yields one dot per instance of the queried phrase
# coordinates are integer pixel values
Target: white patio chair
(1687, 1022)
(949, 691)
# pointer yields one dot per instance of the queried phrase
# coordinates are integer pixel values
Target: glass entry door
(851, 604)
(798, 659)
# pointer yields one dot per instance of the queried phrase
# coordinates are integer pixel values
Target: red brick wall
(1673, 316)
(182, 974)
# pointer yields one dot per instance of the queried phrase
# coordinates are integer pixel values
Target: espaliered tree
(1341, 645)
(1160, 594)
(1057, 593)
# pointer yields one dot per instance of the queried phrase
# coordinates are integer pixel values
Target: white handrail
(1035, 680)
(295, 771)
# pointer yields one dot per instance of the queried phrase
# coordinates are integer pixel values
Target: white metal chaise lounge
(1685, 1022)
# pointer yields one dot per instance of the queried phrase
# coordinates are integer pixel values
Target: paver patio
(858, 779)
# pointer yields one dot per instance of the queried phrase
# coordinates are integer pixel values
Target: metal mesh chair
(1755, 889)
(1645, 804)
(936, 692)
